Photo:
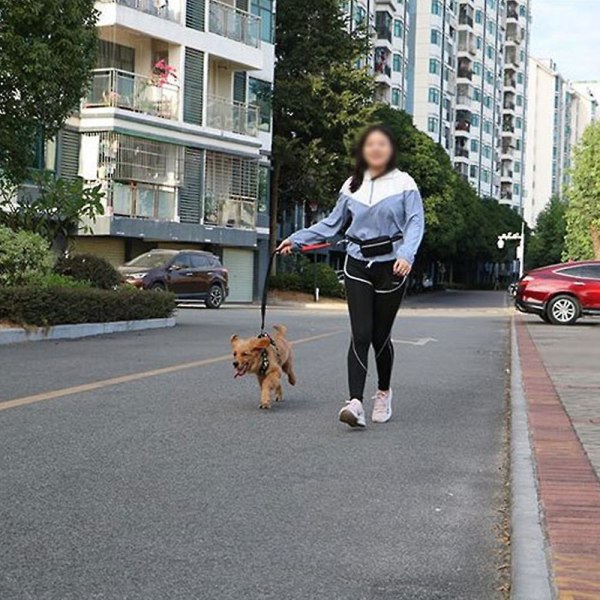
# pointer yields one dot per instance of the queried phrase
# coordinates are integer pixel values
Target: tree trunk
(595, 233)
(274, 212)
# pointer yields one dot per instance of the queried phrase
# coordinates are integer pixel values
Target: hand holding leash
(286, 247)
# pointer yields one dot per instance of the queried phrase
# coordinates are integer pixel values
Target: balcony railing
(234, 24)
(464, 100)
(232, 116)
(461, 152)
(384, 32)
(143, 201)
(121, 89)
(158, 8)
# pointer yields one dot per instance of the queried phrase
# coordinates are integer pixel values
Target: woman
(385, 211)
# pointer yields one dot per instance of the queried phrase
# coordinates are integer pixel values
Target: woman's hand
(402, 267)
(286, 247)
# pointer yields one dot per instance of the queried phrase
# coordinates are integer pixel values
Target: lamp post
(515, 237)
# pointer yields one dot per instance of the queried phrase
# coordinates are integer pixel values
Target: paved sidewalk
(562, 385)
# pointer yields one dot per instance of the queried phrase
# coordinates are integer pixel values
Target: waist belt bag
(376, 246)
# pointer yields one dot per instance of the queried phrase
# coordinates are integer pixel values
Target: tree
(55, 210)
(583, 212)
(321, 99)
(48, 51)
(547, 245)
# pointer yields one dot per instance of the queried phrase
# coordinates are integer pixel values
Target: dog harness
(264, 355)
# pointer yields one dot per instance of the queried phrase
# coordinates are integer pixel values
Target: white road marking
(417, 342)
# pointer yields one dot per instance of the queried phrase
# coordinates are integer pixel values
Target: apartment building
(389, 23)
(433, 69)
(514, 103)
(557, 114)
(176, 128)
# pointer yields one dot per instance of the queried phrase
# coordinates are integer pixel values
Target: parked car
(561, 294)
(190, 274)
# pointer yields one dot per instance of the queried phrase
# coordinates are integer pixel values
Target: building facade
(557, 114)
(176, 128)
(467, 85)
(388, 55)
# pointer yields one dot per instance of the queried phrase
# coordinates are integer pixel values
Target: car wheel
(215, 296)
(158, 286)
(544, 317)
(563, 310)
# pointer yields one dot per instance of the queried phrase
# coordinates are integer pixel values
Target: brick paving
(563, 404)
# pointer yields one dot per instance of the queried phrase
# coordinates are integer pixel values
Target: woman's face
(377, 151)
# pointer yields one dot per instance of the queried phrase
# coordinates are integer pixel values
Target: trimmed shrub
(289, 282)
(304, 282)
(95, 270)
(55, 280)
(23, 256)
(63, 306)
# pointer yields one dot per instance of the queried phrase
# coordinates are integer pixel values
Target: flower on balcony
(162, 73)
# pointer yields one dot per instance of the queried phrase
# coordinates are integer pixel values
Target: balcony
(461, 152)
(143, 201)
(232, 116)
(120, 89)
(463, 100)
(234, 24)
(157, 8)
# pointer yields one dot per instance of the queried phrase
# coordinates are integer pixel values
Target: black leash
(263, 304)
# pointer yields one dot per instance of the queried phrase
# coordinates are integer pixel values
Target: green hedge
(304, 281)
(89, 268)
(63, 306)
(23, 256)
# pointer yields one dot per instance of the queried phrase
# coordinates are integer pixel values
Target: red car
(561, 294)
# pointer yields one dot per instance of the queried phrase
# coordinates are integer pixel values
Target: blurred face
(377, 151)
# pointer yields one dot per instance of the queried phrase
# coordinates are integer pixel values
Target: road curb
(530, 571)
(69, 332)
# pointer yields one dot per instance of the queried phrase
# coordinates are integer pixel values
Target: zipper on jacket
(371, 196)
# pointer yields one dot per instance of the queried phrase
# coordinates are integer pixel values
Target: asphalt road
(173, 485)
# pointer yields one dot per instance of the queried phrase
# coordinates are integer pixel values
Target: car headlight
(137, 275)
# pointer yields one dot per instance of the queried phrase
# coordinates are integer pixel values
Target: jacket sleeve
(414, 227)
(324, 229)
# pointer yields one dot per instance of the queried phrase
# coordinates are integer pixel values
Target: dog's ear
(234, 338)
(262, 343)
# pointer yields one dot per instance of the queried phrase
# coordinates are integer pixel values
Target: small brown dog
(267, 357)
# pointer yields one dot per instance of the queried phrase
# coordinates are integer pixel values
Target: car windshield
(152, 260)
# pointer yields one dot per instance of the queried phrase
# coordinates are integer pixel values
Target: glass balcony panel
(235, 24)
(157, 8)
(228, 115)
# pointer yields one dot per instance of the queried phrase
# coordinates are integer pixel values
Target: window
(517, 189)
(475, 121)
(517, 167)
(434, 95)
(474, 146)
(264, 10)
(434, 66)
(115, 56)
(432, 125)
(479, 42)
(477, 68)
(519, 77)
(398, 28)
(473, 172)
(518, 123)
(264, 188)
(519, 100)
(395, 97)
(436, 37)
(397, 62)
(199, 261)
(487, 126)
(183, 261)
(436, 7)
(477, 95)
(478, 16)
(259, 94)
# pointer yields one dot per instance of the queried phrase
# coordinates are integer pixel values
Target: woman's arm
(414, 227)
(324, 229)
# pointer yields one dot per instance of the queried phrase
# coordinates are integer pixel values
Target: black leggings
(374, 296)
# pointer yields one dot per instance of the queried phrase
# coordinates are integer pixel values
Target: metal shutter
(195, 14)
(190, 195)
(193, 93)
(112, 249)
(240, 264)
(68, 152)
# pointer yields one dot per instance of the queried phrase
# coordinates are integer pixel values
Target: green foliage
(322, 99)
(48, 51)
(302, 280)
(94, 270)
(53, 280)
(60, 306)
(23, 256)
(583, 213)
(547, 245)
(55, 209)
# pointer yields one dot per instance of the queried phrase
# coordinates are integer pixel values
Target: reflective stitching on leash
(351, 277)
(357, 358)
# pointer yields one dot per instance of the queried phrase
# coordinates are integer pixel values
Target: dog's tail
(280, 329)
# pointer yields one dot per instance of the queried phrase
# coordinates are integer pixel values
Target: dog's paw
(264, 406)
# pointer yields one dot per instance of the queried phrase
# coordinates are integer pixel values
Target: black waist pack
(376, 246)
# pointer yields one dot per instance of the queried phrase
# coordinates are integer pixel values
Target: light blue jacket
(387, 205)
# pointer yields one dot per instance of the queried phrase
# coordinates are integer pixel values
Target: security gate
(240, 264)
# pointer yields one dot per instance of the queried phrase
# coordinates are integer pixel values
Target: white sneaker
(382, 409)
(353, 414)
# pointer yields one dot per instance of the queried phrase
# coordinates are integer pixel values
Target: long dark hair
(360, 164)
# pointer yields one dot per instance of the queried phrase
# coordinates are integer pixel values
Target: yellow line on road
(96, 385)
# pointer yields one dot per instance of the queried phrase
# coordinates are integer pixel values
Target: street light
(515, 237)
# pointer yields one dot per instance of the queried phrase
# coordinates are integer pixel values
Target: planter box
(70, 332)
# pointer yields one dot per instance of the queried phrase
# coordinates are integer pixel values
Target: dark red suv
(561, 294)
(190, 274)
